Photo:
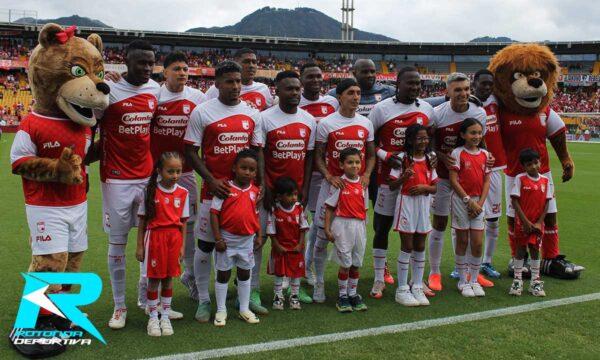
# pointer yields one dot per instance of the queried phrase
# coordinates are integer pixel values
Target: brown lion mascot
(66, 76)
(525, 76)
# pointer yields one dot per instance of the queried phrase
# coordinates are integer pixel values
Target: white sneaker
(118, 319)
(311, 279)
(536, 288)
(220, 318)
(477, 289)
(249, 317)
(516, 288)
(153, 327)
(286, 283)
(404, 296)
(319, 293)
(377, 289)
(419, 295)
(165, 327)
(466, 290)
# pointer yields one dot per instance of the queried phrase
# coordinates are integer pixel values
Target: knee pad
(206, 246)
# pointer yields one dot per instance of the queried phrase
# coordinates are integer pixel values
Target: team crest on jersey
(302, 132)
(245, 124)
(543, 188)
(151, 104)
(41, 226)
(298, 218)
(467, 164)
(420, 120)
(324, 109)
(543, 118)
(378, 97)
(177, 202)
(258, 102)
(186, 108)
(252, 195)
(361, 134)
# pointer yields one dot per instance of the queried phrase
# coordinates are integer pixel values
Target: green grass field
(562, 332)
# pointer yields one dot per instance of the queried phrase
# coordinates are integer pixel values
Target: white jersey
(324, 106)
(256, 94)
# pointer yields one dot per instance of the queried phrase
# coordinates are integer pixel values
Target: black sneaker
(357, 303)
(560, 268)
(343, 304)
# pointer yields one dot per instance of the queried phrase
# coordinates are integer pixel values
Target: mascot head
(66, 75)
(525, 76)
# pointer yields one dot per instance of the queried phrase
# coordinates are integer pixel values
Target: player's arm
(260, 173)
(319, 163)
(485, 190)
(559, 143)
(527, 225)
(139, 251)
(328, 219)
(220, 245)
(276, 245)
(183, 229)
(308, 168)
(300, 246)
(369, 163)
(218, 187)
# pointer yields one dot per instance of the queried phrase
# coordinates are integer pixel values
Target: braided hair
(153, 182)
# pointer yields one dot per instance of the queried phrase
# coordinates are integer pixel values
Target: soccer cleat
(357, 303)
(466, 290)
(311, 279)
(405, 297)
(536, 288)
(377, 290)
(419, 295)
(477, 289)
(561, 268)
(249, 317)
(153, 327)
(516, 288)
(278, 302)
(435, 282)
(489, 271)
(454, 274)
(484, 282)
(319, 293)
(295, 302)
(220, 318)
(203, 312)
(255, 304)
(387, 277)
(190, 284)
(118, 319)
(166, 327)
(343, 304)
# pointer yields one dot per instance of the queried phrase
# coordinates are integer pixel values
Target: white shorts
(510, 211)
(350, 241)
(316, 180)
(188, 181)
(239, 253)
(386, 201)
(440, 205)
(120, 204)
(493, 203)
(57, 229)
(412, 214)
(460, 215)
(319, 218)
(202, 229)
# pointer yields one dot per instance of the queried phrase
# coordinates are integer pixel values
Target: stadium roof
(274, 43)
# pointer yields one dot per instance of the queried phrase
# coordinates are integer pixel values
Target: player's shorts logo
(41, 226)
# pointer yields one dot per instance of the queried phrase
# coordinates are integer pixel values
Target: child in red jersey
(345, 227)
(417, 181)
(530, 195)
(470, 181)
(235, 225)
(286, 226)
(163, 215)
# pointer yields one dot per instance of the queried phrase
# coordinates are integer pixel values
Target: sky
(417, 20)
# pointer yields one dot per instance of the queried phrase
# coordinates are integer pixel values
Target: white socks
(277, 285)
(221, 295)
(461, 267)
(403, 263)
(202, 269)
(243, 289)
(379, 257)
(352, 285)
(535, 269)
(491, 238)
(518, 268)
(417, 264)
(436, 244)
(474, 265)
(116, 268)
(295, 285)
(320, 257)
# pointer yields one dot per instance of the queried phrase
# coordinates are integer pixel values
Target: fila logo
(127, 104)
(39, 238)
(280, 132)
(222, 125)
(515, 122)
(449, 129)
(51, 144)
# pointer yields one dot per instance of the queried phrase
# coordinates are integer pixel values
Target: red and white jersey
(171, 207)
(257, 94)
(171, 119)
(287, 139)
(471, 168)
(222, 131)
(532, 194)
(390, 120)
(238, 214)
(286, 224)
(338, 132)
(423, 173)
(493, 136)
(125, 132)
(324, 106)
(46, 137)
(528, 131)
(350, 202)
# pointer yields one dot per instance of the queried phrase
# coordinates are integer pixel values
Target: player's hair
(227, 67)
(246, 153)
(482, 72)
(344, 85)
(285, 185)
(464, 126)
(153, 182)
(173, 57)
(527, 155)
(348, 152)
(287, 74)
(410, 142)
(238, 54)
(308, 66)
(139, 45)
(404, 70)
(454, 77)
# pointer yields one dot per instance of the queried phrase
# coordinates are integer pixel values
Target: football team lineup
(347, 197)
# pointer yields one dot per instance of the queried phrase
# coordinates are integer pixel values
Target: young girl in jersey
(236, 229)
(163, 215)
(417, 180)
(530, 195)
(470, 181)
(345, 226)
(286, 226)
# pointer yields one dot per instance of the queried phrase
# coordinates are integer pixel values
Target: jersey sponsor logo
(343, 144)
(137, 118)
(221, 125)
(450, 140)
(41, 226)
(172, 120)
(127, 104)
(290, 145)
(233, 138)
(399, 132)
(51, 145)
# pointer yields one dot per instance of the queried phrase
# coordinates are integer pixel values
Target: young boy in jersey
(345, 227)
(235, 225)
(530, 195)
(163, 215)
(286, 226)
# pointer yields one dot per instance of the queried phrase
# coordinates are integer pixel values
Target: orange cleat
(484, 282)
(387, 277)
(435, 282)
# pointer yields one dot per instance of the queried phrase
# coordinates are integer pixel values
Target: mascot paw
(68, 168)
(561, 268)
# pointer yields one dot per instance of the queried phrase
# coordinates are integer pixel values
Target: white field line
(389, 329)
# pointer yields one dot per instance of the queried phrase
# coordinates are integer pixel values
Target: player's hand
(220, 245)
(407, 174)
(299, 248)
(538, 227)
(113, 76)
(329, 236)
(527, 227)
(417, 190)
(335, 181)
(139, 253)
(433, 159)
(364, 181)
(568, 170)
(490, 161)
(219, 188)
(258, 242)
(474, 209)
(394, 161)
(304, 199)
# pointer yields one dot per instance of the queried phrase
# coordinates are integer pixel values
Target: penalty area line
(388, 329)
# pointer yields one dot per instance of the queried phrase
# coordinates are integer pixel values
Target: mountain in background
(66, 21)
(502, 39)
(298, 22)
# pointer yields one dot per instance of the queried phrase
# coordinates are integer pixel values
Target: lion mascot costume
(525, 76)
(66, 77)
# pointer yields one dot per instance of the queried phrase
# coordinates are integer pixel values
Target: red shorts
(163, 247)
(524, 239)
(290, 264)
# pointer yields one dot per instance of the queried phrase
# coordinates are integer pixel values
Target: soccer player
(254, 93)
(447, 120)
(176, 102)
(221, 127)
(289, 138)
(391, 117)
(335, 133)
